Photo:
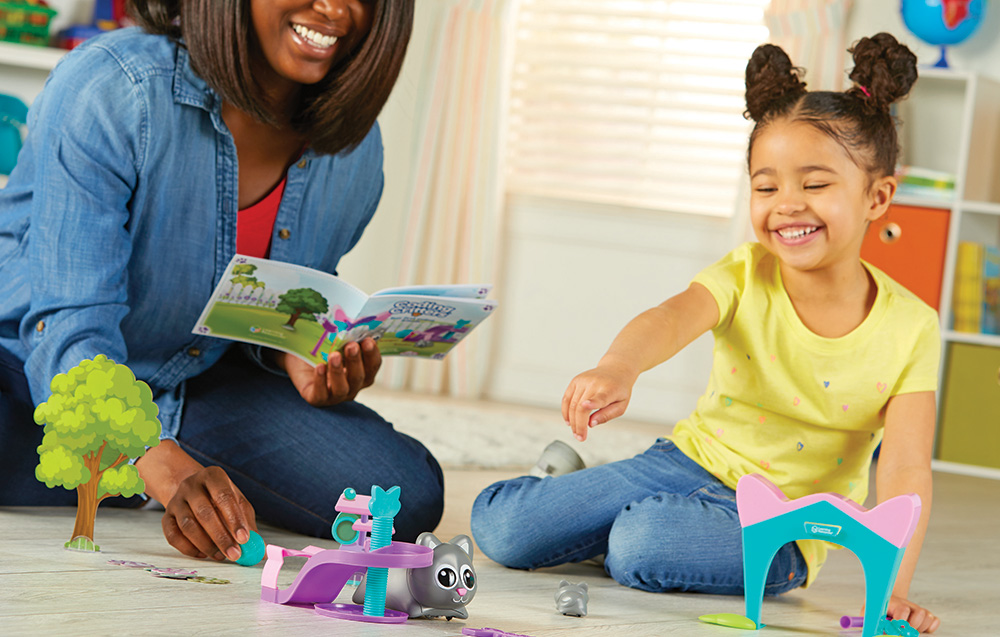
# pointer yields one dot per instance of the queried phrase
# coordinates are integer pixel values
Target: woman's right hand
(597, 396)
(208, 516)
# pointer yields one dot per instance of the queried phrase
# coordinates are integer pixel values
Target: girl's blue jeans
(291, 460)
(662, 522)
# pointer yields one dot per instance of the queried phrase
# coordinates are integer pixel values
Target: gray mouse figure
(571, 599)
(439, 590)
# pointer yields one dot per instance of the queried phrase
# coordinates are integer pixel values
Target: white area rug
(464, 434)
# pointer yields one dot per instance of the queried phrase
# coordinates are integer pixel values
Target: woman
(156, 153)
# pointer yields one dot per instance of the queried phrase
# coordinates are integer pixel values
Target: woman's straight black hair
(335, 114)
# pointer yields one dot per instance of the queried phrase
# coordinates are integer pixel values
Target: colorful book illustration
(311, 314)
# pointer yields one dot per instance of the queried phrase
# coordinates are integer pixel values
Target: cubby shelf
(26, 56)
(951, 123)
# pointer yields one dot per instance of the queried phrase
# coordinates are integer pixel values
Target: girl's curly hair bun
(884, 71)
(771, 82)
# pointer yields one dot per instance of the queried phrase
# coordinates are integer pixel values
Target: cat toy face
(450, 582)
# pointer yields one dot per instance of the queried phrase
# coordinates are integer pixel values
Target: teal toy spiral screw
(383, 506)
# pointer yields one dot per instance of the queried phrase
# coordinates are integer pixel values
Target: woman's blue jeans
(662, 522)
(292, 461)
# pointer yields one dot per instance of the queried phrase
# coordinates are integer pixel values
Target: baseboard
(965, 469)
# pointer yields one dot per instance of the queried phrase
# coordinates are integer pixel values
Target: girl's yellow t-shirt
(805, 411)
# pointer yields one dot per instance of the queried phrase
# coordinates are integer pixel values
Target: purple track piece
(324, 575)
(489, 632)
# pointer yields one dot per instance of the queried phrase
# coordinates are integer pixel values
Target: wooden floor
(46, 590)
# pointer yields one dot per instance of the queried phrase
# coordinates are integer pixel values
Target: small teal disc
(252, 551)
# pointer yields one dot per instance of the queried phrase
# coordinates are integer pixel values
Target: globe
(942, 22)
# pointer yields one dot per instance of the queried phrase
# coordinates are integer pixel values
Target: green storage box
(25, 23)
(969, 431)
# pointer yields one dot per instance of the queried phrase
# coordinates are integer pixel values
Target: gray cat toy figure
(571, 599)
(439, 590)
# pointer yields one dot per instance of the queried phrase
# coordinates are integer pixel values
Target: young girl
(818, 358)
(155, 154)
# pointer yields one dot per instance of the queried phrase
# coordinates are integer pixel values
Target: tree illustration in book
(302, 303)
(97, 419)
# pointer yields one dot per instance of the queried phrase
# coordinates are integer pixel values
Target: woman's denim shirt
(120, 216)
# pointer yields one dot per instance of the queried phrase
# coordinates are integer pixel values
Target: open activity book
(311, 313)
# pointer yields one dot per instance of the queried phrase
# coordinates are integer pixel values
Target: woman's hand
(597, 396)
(917, 617)
(344, 375)
(207, 515)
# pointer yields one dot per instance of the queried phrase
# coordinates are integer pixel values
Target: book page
(414, 325)
(461, 290)
(280, 305)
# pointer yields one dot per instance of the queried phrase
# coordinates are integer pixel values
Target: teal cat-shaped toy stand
(878, 537)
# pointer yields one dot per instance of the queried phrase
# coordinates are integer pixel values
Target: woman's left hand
(344, 375)
(917, 617)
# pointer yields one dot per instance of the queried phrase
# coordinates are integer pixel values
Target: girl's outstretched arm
(601, 394)
(904, 466)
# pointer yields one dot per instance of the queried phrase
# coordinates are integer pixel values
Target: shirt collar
(189, 88)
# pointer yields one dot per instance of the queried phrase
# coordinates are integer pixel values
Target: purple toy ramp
(324, 574)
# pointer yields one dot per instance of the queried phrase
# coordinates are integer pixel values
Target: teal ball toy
(252, 551)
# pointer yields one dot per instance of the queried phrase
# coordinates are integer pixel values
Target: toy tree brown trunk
(86, 508)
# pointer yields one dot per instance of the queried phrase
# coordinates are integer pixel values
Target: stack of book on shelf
(976, 299)
(926, 183)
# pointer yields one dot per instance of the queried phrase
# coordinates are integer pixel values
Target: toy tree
(97, 418)
(301, 301)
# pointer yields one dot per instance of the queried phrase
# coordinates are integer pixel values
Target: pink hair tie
(864, 90)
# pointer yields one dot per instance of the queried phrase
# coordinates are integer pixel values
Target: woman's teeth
(795, 233)
(316, 39)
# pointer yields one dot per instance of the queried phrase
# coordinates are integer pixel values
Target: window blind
(632, 102)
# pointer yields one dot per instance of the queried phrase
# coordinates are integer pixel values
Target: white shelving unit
(951, 123)
(40, 58)
(23, 68)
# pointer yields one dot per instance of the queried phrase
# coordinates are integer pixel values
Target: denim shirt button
(284, 233)
(40, 326)
(302, 164)
(194, 352)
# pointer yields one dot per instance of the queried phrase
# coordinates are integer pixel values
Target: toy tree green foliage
(97, 418)
(302, 301)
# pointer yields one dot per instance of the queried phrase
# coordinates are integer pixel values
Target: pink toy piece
(358, 505)
(275, 560)
(894, 520)
(326, 571)
(356, 612)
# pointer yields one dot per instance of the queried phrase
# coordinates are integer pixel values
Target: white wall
(575, 275)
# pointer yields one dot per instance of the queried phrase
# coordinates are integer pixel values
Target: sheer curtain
(813, 33)
(455, 200)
